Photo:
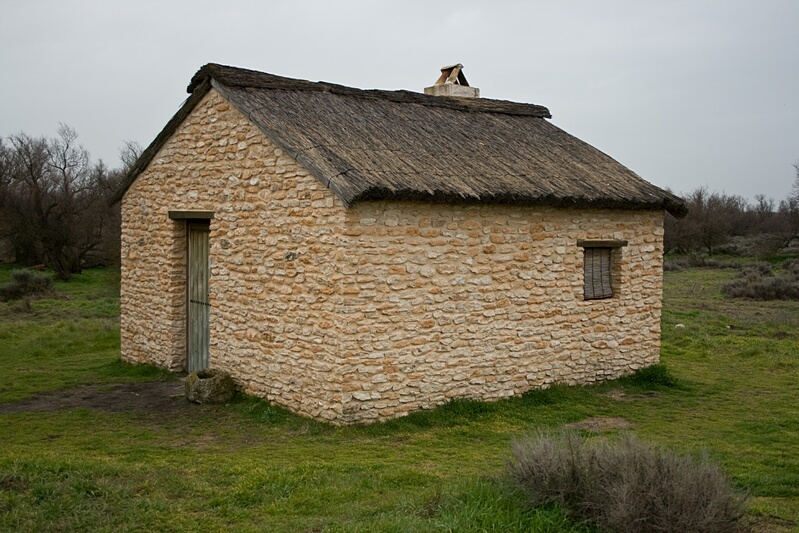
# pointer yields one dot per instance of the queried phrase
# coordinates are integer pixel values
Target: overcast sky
(685, 93)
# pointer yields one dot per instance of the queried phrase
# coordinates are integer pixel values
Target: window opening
(597, 275)
(600, 274)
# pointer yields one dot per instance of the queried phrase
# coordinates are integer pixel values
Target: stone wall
(153, 284)
(487, 302)
(371, 312)
(275, 232)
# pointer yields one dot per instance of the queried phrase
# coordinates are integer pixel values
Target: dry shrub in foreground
(626, 486)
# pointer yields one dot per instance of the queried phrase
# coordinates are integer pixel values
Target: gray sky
(685, 93)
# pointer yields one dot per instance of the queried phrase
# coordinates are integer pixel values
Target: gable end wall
(273, 237)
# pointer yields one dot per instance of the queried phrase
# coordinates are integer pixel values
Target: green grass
(69, 340)
(741, 359)
(729, 384)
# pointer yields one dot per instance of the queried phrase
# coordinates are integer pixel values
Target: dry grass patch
(600, 424)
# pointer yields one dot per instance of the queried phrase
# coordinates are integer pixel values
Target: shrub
(626, 486)
(653, 377)
(26, 283)
(682, 262)
(758, 282)
(792, 267)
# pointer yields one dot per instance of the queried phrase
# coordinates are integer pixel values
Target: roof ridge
(245, 78)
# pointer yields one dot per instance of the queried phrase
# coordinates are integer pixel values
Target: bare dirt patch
(149, 397)
(621, 396)
(599, 424)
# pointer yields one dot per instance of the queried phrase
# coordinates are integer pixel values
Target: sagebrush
(26, 283)
(626, 486)
(683, 262)
(757, 281)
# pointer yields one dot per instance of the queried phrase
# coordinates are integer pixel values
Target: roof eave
(675, 206)
(672, 204)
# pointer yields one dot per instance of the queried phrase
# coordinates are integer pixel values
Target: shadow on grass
(652, 378)
(121, 369)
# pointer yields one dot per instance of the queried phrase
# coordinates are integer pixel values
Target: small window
(598, 282)
(600, 267)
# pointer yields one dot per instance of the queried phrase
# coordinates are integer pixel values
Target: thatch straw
(398, 145)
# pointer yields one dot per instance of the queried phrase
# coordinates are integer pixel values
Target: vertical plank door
(198, 305)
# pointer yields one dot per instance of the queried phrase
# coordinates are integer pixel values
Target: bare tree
(713, 219)
(764, 208)
(789, 212)
(128, 154)
(709, 218)
(23, 199)
(109, 182)
(53, 201)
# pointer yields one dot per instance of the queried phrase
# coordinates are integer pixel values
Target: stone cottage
(355, 255)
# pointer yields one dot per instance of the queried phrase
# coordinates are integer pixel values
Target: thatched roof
(400, 145)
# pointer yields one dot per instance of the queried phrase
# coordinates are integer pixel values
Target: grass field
(249, 466)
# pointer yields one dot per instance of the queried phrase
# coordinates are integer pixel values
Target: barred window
(600, 267)
(597, 283)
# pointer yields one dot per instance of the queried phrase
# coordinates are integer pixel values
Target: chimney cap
(452, 82)
(452, 74)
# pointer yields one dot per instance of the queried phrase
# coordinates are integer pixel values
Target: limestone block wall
(274, 235)
(487, 302)
(153, 286)
(371, 312)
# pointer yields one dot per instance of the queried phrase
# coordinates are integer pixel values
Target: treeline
(54, 203)
(54, 209)
(717, 222)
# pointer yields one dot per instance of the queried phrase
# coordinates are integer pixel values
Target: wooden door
(198, 337)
